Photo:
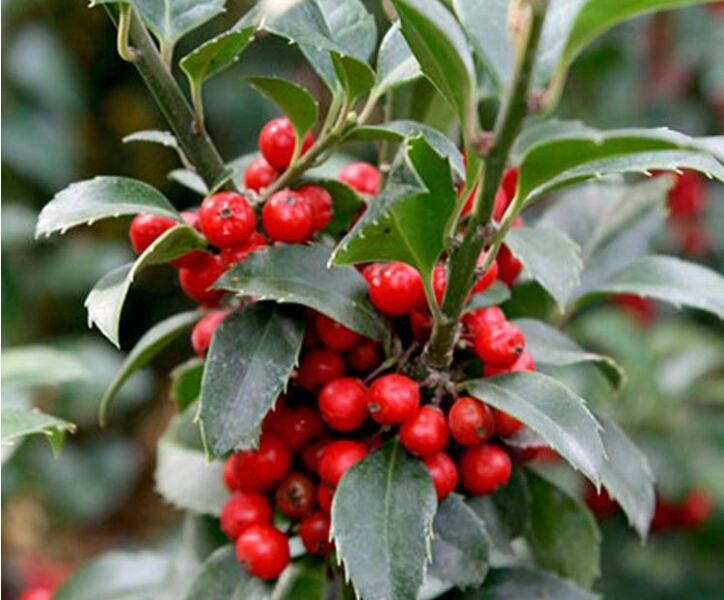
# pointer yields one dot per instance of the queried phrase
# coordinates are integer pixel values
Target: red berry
(334, 335)
(259, 175)
(320, 201)
(687, 198)
(641, 309)
(191, 218)
(393, 399)
(314, 531)
(311, 454)
(478, 319)
(242, 510)
(696, 509)
(483, 469)
(396, 289)
(295, 495)
(343, 404)
(365, 356)
(196, 280)
(338, 457)
(204, 330)
(600, 503)
(277, 140)
(425, 434)
(443, 472)
(319, 367)
(509, 267)
(325, 495)
(506, 193)
(505, 424)
(524, 363)
(37, 592)
(297, 426)
(471, 421)
(234, 254)
(263, 550)
(665, 515)
(439, 282)
(361, 177)
(421, 326)
(146, 229)
(226, 219)
(499, 344)
(259, 470)
(287, 217)
(486, 279)
(231, 480)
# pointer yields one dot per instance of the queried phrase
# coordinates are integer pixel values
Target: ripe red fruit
(505, 424)
(393, 399)
(325, 495)
(146, 229)
(687, 198)
(277, 140)
(599, 503)
(37, 592)
(483, 469)
(421, 326)
(443, 472)
(231, 480)
(499, 344)
(486, 279)
(396, 289)
(506, 193)
(641, 309)
(204, 330)
(287, 217)
(365, 356)
(439, 282)
(234, 254)
(314, 531)
(478, 319)
(263, 550)
(196, 280)
(320, 202)
(665, 515)
(242, 510)
(509, 267)
(696, 509)
(259, 470)
(312, 452)
(362, 177)
(338, 457)
(319, 367)
(226, 219)
(426, 433)
(297, 426)
(334, 335)
(295, 495)
(524, 363)
(471, 421)
(259, 175)
(343, 403)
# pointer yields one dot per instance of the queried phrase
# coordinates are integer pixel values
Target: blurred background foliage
(68, 101)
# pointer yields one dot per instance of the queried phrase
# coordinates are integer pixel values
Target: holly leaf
(494, 295)
(384, 554)
(100, 198)
(189, 180)
(221, 577)
(242, 381)
(396, 64)
(154, 136)
(300, 275)
(525, 583)
(18, 423)
(186, 382)
(293, 100)
(356, 77)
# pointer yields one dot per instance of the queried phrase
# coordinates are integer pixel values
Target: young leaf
(222, 578)
(396, 65)
(460, 545)
(385, 555)
(100, 198)
(17, 423)
(294, 101)
(494, 295)
(563, 535)
(251, 356)
(186, 382)
(164, 138)
(300, 275)
(152, 342)
(551, 409)
(525, 583)
(355, 76)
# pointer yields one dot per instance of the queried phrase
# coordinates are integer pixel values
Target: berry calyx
(334, 335)
(203, 331)
(287, 217)
(259, 470)
(471, 422)
(297, 425)
(426, 433)
(320, 202)
(343, 404)
(365, 356)
(314, 531)
(483, 469)
(263, 551)
(226, 219)
(318, 367)
(443, 472)
(361, 177)
(499, 344)
(146, 229)
(277, 140)
(295, 495)
(396, 289)
(505, 424)
(196, 280)
(259, 175)
(338, 457)
(393, 399)
(242, 510)
(233, 254)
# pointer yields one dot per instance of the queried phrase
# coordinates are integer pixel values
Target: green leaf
(552, 410)
(396, 65)
(355, 76)
(27, 366)
(186, 382)
(552, 258)
(189, 180)
(460, 544)
(293, 100)
(494, 295)
(524, 583)
(18, 423)
(100, 198)
(438, 43)
(563, 536)
(105, 301)
(152, 342)
(548, 346)
(164, 138)
(300, 275)
(309, 579)
(251, 356)
(221, 578)
(384, 555)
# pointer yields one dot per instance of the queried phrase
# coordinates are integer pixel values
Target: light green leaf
(18, 423)
(189, 180)
(186, 382)
(355, 76)
(494, 295)
(27, 366)
(293, 100)
(524, 583)
(155, 136)
(396, 65)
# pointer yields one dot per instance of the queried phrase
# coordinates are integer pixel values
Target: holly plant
(377, 347)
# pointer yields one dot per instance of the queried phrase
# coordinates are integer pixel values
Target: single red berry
(343, 404)
(334, 335)
(259, 175)
(486, 279)
(233, 254)
(297, 426)
(319, 367)
(361, 177)
(421, 326)
(599, 503)
(295, 495)
(325, 495)
(524, 363)
(263, 551)
(277, 140)
(271, 417)
(425, 434)
(443, 472)
(480, 318)
(287, 217)
(231, 480)
(226, 219)
(687, 198)
(499, 344)
(396, 289)
(37, 592)
(311, 454)
(365, 356)
(204, 330)
(439, 282)
(338, 457)
(665, 515)
(146, 229)
(643, 310)
(320, 201)
(509, 267)
(506, 193)
(259, 470)
(242, 510)
(695, 510)
(196, 280)
(483, 469)
(505, 424)
(314, 531)
(471, 421)
(370, 271)
(393, 399)
(469, 201)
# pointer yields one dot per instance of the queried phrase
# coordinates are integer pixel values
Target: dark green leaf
(396, 65)
(355, 76)
(18, 423)
(186, 382)
(523, 583)
(385, 554)
(494, 295)
(170, 20)
(221, 578)
(294, 101)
